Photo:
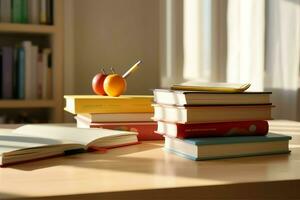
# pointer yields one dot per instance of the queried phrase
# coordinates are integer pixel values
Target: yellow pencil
(132, 69)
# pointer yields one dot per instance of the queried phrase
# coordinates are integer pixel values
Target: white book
(43, 12)
(32, 142)
(33, 11)
(28, 69)
(5, 11)
(34, 66)
(116, 117)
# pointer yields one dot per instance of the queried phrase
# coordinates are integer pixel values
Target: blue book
(21, 73)
(228, 147)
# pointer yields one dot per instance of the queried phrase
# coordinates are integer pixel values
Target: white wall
(111, 33)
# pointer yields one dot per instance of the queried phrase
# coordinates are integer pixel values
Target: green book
(19, 11)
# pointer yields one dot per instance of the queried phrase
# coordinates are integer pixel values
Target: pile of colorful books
(127, 113)
(209, 125)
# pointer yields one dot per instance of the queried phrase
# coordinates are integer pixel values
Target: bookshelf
(50, 36)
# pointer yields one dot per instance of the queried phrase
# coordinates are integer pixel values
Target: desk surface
(136, 171)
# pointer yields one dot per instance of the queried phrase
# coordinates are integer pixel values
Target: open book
(32, 142)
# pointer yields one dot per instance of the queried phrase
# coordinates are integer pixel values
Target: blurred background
(246, 41)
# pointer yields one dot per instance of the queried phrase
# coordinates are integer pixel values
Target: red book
(146, 130)
(213, 129)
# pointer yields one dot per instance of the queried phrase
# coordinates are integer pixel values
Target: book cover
(145, 130)
(228, 147)
(209, 114)
(7, 72)
(182, 97)
(5, 11)
(76, 104)
(243, 128)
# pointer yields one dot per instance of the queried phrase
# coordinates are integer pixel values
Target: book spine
(43, 12)
(7, 67)
(5, 11)
(145, 131)
(28, 69)
(19, 11)
(222, 129)
(21, 73)
(34, 59)
(33, 15)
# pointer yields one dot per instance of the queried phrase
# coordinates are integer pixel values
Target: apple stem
(103, 71)
(112, 70)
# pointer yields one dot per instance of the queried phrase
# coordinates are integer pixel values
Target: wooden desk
(147, 172)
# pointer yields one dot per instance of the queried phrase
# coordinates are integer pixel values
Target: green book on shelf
(19, 11)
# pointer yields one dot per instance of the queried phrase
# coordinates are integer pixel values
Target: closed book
(243, 128)
(21, 73)
(19, 11)
(116, 117)
(43, 11)
(145, 130)
(181, 97)
(27, 45)
(34, 71)
(206, 114)
(5, 11)
(104, 104)
(7, 72)
(34, 11)
(31, 142)
(228, 147)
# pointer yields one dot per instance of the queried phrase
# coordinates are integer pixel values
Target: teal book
(20, 73)
(19, 11)
(228, 147)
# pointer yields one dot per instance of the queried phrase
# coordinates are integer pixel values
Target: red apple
(97, 83)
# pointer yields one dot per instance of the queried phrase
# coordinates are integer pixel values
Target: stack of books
(127, 113)
(209, 125)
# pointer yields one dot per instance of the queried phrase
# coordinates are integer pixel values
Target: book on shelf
(19, 11)
(7, 72)
(184, 97)
(26, 72)
(243, 128)
(228, 147)
(206, 114)
(76, 104)
(145, 130)
(32, 142)
(5, 11)
(116, 117)
(26, 11)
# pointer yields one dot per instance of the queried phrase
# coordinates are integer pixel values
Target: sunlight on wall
(197, 39)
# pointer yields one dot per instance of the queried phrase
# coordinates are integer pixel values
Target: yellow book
(104, 104)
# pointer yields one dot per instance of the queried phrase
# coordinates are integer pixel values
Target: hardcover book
(32, 142)
(243, 128)
(207, 114)
(228, 147)
(116, 117)
(181, 97)
(104, 104)
(145, 130)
